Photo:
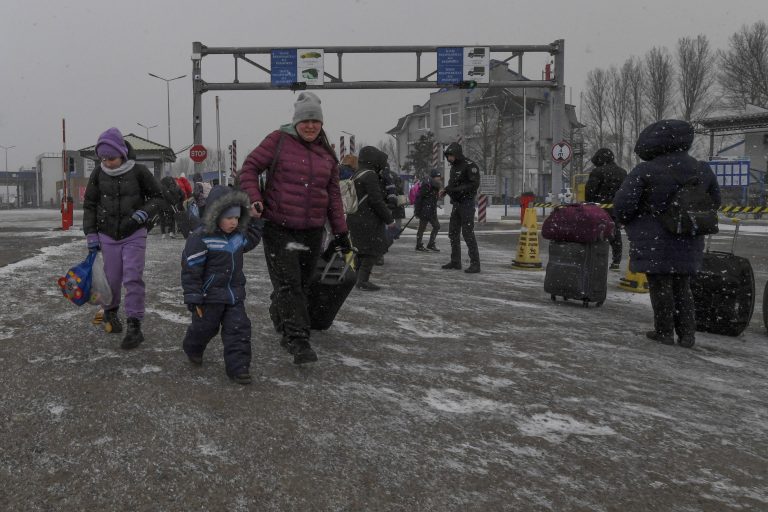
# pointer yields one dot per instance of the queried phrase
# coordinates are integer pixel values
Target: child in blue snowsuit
(214, 283)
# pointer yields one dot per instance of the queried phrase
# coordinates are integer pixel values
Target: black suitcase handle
(735, 234)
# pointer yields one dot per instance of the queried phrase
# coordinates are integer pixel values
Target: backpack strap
(273, 166)
(358, 174)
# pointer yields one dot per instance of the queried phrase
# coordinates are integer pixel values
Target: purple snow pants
(124, 266)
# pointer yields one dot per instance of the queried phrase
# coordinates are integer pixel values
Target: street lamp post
(7, 194)
(147, 128)
(168, 96)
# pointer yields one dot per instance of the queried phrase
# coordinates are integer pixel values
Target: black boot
(420, 247)
(452, 265)
(666, 339)
(243, 378)
(133, 335)
(473, 268)
(687, 340)
(302, 352)
(368, 286)
(432, 247)
(112, 322)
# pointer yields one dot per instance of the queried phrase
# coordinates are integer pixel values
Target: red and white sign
(562, 152)
(198, 153)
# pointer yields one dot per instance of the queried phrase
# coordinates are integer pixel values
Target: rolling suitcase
(724, 292)
(329, 287)
(578, 271)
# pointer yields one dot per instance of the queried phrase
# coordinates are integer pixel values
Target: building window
(422, 123)
(449, 116)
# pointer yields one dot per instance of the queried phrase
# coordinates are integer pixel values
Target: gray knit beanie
(307, 107)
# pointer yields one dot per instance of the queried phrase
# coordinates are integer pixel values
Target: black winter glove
(342, 243)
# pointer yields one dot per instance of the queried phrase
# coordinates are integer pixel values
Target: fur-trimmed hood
(219, 199)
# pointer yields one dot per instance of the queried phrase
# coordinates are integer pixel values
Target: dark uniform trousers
(672, 303)
(235, 335)
(463, 224)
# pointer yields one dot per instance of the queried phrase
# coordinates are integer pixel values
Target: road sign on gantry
(293, 65)
(562, 152)
(456, 64)
(198, 153)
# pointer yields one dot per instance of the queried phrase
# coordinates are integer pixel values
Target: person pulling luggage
(301, 193)
(603, 183)
(668, 259)
(462, 189)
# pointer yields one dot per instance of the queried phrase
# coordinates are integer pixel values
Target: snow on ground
(444, 391)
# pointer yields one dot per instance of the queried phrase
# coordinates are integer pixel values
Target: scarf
(127, 166)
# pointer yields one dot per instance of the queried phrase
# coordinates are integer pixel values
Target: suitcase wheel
(553, 297)
(585, 303)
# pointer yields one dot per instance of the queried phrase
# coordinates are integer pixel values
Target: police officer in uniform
(462, 188)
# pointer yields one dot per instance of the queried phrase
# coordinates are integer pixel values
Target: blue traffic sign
(283, 63)
(450, 65)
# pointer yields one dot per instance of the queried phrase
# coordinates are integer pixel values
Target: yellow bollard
(528, 257)
(634, 281)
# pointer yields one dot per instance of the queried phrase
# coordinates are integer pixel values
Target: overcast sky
(87, 61)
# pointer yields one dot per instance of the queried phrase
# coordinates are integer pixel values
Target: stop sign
(198, 153)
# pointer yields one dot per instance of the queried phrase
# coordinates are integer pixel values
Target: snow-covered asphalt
(444, 391)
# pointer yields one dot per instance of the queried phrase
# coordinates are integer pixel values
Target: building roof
(142, 147)
(734, 123)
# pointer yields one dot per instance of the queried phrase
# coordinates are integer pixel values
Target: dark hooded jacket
(647, 191)
(111, 200)
(212, 261)
(367, 225)
(606, 178)
(465, 176)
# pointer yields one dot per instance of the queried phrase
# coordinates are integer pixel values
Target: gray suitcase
(578, 271)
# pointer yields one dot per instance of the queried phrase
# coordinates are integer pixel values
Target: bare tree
(744, 67)
(696, 65)
(388, 147)
(635, 74)
(493, 141)
(659, 93)
(595, 101)
(617, 107)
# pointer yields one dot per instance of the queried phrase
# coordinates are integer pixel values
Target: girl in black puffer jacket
(120, 199)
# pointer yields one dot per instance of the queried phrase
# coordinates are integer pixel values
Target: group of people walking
(291, 211)
(299, 204)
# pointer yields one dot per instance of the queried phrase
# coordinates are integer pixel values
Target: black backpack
(691, 211)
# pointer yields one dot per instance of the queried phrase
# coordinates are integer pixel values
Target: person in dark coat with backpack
(669, 260)
(368, 225)
(603, 183)
(425, 209)
(301, 193)
(122, 198)
(214, 283)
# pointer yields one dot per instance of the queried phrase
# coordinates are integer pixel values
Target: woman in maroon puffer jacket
(301, 193)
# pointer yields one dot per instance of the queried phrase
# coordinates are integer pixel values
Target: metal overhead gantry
(336, 81)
